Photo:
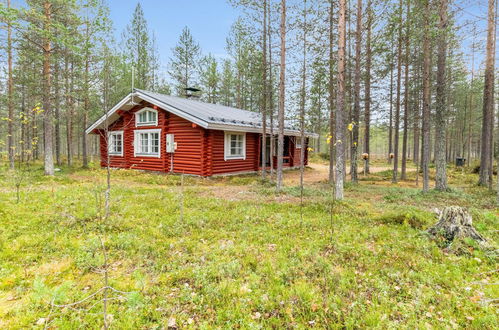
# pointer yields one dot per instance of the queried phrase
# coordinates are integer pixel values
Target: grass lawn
(239, 255)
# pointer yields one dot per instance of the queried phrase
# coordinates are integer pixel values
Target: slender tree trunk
(367, 115)
(69, 109)
(426, 98)
(440, 121)
(356, 106)
(390, 127)
(340, 104)
(10, 96)
(24, 137)
(57, 116)
(331, 94)
(397, 101)
(403, 174)
(86, 101)
(488, 101)
(271, 96)
(302, 105)
(470, 118)
(47, 114)
(416, 114)
(264, 96)
(282, 77)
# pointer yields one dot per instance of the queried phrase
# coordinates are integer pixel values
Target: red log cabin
(156, 132)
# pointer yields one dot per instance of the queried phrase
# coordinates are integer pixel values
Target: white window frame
(110, 144)
(136, 143)
(298, 142)
(227, 138)
(148, 123)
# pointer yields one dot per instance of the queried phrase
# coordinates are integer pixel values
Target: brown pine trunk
(57, 116)
(10, 95)
(331, 94)
(426, 98)
(86, 103)
(69, 109)
(340, 104)
(403, 174)
(24, 130)
(367, 114)
(390, 127)
(417, 115)
(271, 97)
(440, 122)
(303, 100)
(488, 101)
(47, 107)
(397, 100)
(356, 107)
(282, 77)
(264, 96)
(470, 116)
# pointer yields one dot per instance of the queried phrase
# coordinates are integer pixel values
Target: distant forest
(415, 76)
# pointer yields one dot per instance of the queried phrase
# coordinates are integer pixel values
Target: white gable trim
(109, 114)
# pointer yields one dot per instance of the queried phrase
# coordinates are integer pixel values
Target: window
(147, 142)
(146, 117)
(115, 141)
(235, 145)
(298, 142)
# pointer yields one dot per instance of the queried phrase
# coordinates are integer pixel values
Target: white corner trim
(227, 156)
(119, 154)
(146, 109)
(136, 141)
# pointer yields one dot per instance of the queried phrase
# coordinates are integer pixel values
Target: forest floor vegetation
(231, 252)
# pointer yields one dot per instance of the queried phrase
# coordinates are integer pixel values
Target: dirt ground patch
(316, 173)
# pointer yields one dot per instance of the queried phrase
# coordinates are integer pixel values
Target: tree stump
(455, 222)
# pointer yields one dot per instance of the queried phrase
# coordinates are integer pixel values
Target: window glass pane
(144, 143)
(111, 143)
(118, 140)
(115, 143)
(236, 144)
(142, 117)
(152, 116)
(155, 142)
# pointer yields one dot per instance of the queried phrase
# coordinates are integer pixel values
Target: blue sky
(208, 20)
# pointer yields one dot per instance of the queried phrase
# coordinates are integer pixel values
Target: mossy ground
(241, 255)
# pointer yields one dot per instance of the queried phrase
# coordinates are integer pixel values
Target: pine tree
(425, 161)
(367, 112)
(282, 96)
(10, 94)
(488, 101)
(441, 100)
(138, 49)
(227, 84)
(210, 79)
(340, 104)
(356, 107)
(185, 62)
(397, 98)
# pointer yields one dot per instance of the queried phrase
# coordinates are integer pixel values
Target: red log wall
(199, 151)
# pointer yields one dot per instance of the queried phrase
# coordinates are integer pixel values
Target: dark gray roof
(207, 115)
(212, 113)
